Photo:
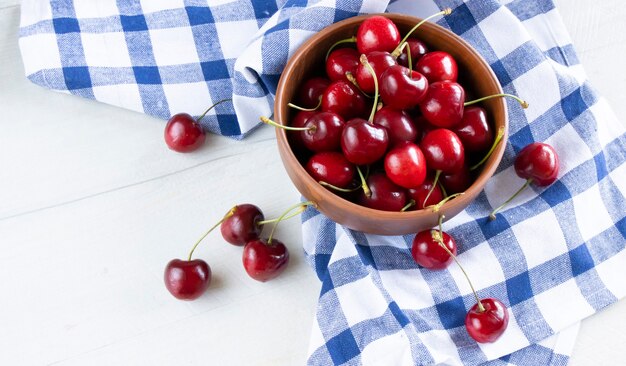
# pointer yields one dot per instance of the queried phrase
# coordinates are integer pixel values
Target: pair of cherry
(263, 259)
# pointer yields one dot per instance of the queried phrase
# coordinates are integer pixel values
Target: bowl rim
(460, 202)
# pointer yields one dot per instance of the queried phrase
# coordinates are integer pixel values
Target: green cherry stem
(397, 51)
(363, 61)
(300, 206)
(438, 237)
(492, 215)
(339, 189)
(211, 107)
(272, 123)
(319, 104)
(443, 190)
(366, 189)
(435, 181)
(347, 40)
(436, 207)
(521, 101)
(408, 205)
(352, 79)
(499, 137)
(228, 214)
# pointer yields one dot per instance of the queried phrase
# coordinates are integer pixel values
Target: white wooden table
(93, 205)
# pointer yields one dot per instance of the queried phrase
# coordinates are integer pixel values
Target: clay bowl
(308, 60)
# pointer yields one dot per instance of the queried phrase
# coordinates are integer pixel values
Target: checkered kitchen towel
(554, 257)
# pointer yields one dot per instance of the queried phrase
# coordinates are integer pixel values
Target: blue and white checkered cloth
(554, 257)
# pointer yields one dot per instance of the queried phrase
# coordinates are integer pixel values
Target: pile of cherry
(412, 149)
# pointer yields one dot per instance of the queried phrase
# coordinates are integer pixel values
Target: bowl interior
(474, 74)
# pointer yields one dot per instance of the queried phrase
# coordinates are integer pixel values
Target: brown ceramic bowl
(474, 74)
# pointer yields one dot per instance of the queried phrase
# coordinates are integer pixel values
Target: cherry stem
(492, 215)
(437, 174)
(352, 79)
(443, 191)
(408, 54)
(335, 188)
(438, 237)
(300, 206)
(363, 60)
(228, 214)
(436, 207)
(272, 123)
(347, 40)
(211, 107)
(397, 51)
(366, 189)
(521, 101)
(319, 104)
(499, 137)
(408, 205)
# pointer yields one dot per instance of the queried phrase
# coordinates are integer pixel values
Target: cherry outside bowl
(478, 79)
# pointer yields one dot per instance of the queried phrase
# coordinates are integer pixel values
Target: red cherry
(443, 151)
(242, 226)
(419, 194)
(398, 123)
(311, 91)
(437, 66)
(417, 49)
(332, 168)
(380, 61)
(264, 261)
(363, 143)
(405, 165)
(443, 104)
(428, 253)
(341, 61)
(342, 98)
(402, 88)
(377, 33)
(457, 182)
(324, 132)
(539, 162)
(183, 133)
(385, 195)
(299, 121)
(474, 130)
(187, 280)
(489, 324)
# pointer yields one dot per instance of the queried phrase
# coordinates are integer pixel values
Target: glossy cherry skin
(487, 326)
(363, 143)
(183, 133)
(187, 280)
(377, 33)
(263, 261)
(386, 195)
(311, 91)
(474, 130)
(242, 226)
(428, 253)
(539, 162)
(399, 125)
(457, 182)
(417, 49)
(443, 151)
(344, 99)
(401, 88)
(443, 104)
(341, 61)
(380, 61)
(324, 133)
(437, 66)
(405, 165)
(295, 138)
(419, 194)
(331, 167)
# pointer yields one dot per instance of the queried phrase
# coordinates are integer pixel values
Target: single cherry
(402, 88)
(405, 165)
(183, 133)
(419, 194)
(187, 280)
(398, 123)
(331, 168)
(341, 61)
(428, 252)
(377, 33)
(380, 62)
(243, 225)
(264, 260)
(437, 66)
(443, 151)
(344, 99)
(538, 163)
(321, 131)
(488, 324)
(311, 91)
(417, 49)
(385, 195)
(443, 104)
(474, 130)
